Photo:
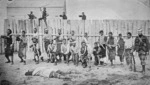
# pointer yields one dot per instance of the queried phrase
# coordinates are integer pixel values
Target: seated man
(84, 54)
(52, 52)
(36, 50)
(96, 53)
(65, 50)
(74, 53)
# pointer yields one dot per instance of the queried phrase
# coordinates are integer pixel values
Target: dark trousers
(43, 19)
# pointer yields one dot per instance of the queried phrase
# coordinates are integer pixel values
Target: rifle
(133, 61)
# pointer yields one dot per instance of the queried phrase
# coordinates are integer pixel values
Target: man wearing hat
(142, 47)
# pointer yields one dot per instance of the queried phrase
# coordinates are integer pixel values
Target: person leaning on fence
(120, 46)
(22, 47)
(44, 16)
(9, 46)
(142, 47)
(111, 46)
(65, 50)
(102, 44)
(129, 44)
(96, 53)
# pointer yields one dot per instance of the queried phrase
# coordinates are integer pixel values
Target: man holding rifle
(142, 47)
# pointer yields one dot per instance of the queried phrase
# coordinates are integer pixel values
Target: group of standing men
(66, 47)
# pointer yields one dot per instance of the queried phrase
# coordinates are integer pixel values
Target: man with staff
(142, 47)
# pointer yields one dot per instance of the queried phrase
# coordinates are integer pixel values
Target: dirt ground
(98, 75)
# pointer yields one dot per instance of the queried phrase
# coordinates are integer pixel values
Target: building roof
(36, 3)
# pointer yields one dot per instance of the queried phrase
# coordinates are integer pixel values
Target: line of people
(45, 15)
(66, 48)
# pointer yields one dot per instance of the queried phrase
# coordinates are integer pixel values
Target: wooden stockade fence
(92, 27)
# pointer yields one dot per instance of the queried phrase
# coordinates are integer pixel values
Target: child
(22, 47)
(65, 50)
(51, 52)
(84, 54)
(36, 49)
(74, 53)
(120, 50)
(111, 46)
(9, 48)
(96, 53)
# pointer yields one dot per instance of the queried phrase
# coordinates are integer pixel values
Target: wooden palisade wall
(92, 27)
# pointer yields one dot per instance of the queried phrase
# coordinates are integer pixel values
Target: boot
(101, 62)
(12, 62)
(21, 60)
(24, 62)
(8, 60)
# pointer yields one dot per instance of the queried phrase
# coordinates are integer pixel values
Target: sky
(108, 9)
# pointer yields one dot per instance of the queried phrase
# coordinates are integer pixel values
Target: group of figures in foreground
(65, 48)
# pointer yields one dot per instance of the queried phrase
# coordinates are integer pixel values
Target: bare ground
(98, 75)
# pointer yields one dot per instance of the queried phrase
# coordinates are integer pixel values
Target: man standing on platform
(31, 16)
(83, 16)
(64, 16)
(44, 16)
(142, 47)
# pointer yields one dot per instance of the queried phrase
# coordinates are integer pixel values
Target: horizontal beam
(38, 7)
(77, 35)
